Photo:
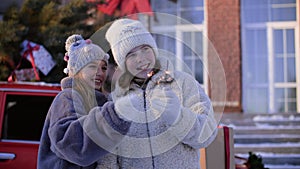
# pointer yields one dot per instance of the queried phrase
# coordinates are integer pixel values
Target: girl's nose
(140, 56)
(100, 72)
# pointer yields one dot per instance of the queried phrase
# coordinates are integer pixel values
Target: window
(178, 30)
(24, 116)
(269, 43)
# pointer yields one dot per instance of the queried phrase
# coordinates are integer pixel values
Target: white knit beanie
(124, 35)
(80, 52)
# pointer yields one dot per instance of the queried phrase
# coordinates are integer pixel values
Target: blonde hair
(87, 92)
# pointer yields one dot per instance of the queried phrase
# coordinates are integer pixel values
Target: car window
(24, 116)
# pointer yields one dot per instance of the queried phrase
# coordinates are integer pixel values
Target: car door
(22, 115)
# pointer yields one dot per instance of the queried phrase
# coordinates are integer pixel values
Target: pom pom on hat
(124, 35)
(80, 52)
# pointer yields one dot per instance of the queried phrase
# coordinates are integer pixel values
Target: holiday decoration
(38, 56)
(131, 7)
(128, 7)
(27, 74)
(108, 7)
(46, 23)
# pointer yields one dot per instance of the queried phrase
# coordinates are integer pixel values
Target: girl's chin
(142, 75)
(98, 86)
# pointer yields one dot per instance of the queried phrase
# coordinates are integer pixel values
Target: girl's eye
(131, 55)
(104, 68)
(146, 48)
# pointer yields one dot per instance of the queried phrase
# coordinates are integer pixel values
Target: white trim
(288, 5)
(185, 26)
(159, 29)
(297, 53)
(272, 84)
(205, 42)
(277, 25)
(271, 69)
(255, 25)
(282, 25)
(227, 103)
(179, 52)
(197, 8)
(190, 27)
(285, 85)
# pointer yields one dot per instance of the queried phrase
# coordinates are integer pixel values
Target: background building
(257, 42)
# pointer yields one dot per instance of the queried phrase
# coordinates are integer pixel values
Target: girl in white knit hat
(172, 117)
(77, 133)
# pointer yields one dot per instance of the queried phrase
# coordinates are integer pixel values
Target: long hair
(87, 92)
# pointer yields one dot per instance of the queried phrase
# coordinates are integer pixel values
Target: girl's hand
(130, 107)
(166, 104)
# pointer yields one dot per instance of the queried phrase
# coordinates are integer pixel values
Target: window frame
(46, 93)
(269, 27)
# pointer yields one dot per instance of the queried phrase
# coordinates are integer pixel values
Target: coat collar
(66, 82)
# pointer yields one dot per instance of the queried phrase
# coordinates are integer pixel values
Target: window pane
(187, 13)
(24, 116)
(255, 57)
(258, 11)
(199, 43)
(292, 107)
(256, 100)
(284, 14)
(292, 101)
(292, 93)
(278, 41)
(166, 41)
(283, 1)
(279, 100)
(191, 3)
(290, 34)
(254, 11)
(192, 10)
(285, 100)
(187, 51)
(279, 70)
(199, 71)
(291, 70)
(164, 7)
(256, 42)
(196, 17)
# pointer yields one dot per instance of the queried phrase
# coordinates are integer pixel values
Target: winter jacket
(72, 138)
(157, 145)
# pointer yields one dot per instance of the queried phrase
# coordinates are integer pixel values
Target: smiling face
(140, 61)
(94, 73)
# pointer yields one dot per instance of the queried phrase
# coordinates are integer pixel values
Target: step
(235, 116)
(270, 166)
(266, 129)
(266, 138)
(271, 123)
(241, 119)
(292, 148)
(277, 159)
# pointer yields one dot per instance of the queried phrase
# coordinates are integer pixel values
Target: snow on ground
(268, 145)
(276, 117)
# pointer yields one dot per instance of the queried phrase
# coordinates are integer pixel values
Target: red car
(23, 108)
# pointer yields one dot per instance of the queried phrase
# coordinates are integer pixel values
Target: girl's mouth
(98, 81)
(143, 67)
